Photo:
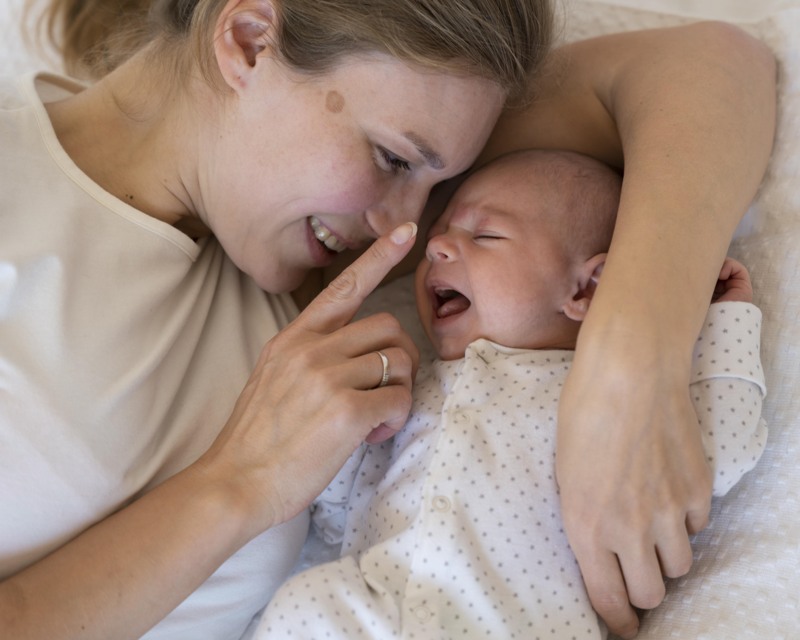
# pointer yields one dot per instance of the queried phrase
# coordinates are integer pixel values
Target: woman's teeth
(324, 235)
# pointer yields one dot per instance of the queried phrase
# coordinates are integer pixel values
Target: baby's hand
(734, 283)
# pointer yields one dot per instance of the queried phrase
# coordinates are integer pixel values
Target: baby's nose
(440, 248)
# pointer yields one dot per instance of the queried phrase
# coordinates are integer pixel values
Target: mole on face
(334, 102)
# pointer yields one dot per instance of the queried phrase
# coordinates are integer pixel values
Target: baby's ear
(242, 32)
(586, 283)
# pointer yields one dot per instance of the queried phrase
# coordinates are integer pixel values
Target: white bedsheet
(745, 582)
(19, 54)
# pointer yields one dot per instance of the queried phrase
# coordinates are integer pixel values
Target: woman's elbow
(737, 48)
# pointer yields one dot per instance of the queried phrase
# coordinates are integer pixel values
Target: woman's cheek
(355, 196)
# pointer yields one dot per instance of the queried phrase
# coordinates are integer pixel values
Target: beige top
(453, 529)
(123, 347)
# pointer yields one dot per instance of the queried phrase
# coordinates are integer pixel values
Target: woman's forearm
(697, 130)
(123, 575)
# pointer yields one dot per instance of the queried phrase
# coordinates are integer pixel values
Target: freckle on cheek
(334, 102)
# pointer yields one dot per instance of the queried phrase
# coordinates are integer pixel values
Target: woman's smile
(326, 236)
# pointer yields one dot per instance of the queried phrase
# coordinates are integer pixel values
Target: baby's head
(516, 254)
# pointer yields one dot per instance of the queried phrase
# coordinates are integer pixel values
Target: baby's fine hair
(593, 192)
(502, 40)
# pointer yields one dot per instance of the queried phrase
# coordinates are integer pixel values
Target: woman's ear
(241, 33)
(587, 278)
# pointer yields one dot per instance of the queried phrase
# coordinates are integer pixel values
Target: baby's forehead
(510, 195)
(518, 220)
(520, 171)
(514, 177)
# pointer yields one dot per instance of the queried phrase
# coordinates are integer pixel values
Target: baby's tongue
(454, 305)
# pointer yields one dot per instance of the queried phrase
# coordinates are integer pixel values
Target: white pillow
(19, 53)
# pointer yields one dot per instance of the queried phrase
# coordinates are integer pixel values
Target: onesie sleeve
(728, 389)
(329, 510)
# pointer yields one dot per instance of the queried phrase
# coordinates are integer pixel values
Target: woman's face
(305, 167)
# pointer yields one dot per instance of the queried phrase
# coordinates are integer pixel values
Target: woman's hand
(309, 402)
(314, 397)
(628, 513)
(633, 477)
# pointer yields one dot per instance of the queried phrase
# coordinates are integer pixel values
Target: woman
(232, 123)
(247, 143)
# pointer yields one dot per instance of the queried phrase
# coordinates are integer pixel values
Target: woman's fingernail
(404, 233)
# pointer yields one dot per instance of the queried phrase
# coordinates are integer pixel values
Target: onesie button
(422, 613)
(441, 503)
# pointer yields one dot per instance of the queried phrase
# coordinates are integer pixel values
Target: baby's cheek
(451, 349)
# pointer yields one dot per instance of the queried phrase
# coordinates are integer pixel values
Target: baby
(452, 529)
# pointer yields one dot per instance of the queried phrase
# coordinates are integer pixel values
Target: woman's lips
(322, 233)
(321, 256)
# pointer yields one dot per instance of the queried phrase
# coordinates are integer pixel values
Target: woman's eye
(392, 162)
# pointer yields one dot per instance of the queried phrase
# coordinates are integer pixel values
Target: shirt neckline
(42, 87)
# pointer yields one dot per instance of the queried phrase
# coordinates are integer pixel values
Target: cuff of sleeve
(729, 344)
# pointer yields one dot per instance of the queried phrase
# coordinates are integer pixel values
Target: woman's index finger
(337, 303)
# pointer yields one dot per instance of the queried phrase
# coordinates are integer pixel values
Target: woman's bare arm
(691, 111)
(120, 577)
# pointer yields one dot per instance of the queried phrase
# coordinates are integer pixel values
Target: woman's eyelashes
(392, 163)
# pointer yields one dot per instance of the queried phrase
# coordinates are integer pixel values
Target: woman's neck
(131, 134)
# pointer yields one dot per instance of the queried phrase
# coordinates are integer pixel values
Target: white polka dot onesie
(453, 529)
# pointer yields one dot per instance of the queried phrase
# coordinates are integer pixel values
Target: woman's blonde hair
(503, 40)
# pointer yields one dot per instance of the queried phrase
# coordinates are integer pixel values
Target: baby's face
(492, 269)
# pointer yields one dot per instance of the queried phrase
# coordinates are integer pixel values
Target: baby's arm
(329, 510)
(727, 380)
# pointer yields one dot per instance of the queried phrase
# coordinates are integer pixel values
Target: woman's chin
(288, 281)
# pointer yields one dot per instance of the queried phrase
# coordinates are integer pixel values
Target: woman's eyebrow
(433, 159)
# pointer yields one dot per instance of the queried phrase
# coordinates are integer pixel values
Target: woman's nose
(395, 208)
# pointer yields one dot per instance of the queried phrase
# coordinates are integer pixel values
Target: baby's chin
(451, 348)
(446, 347)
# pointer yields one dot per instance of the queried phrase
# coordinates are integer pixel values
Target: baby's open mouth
(449, 302)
